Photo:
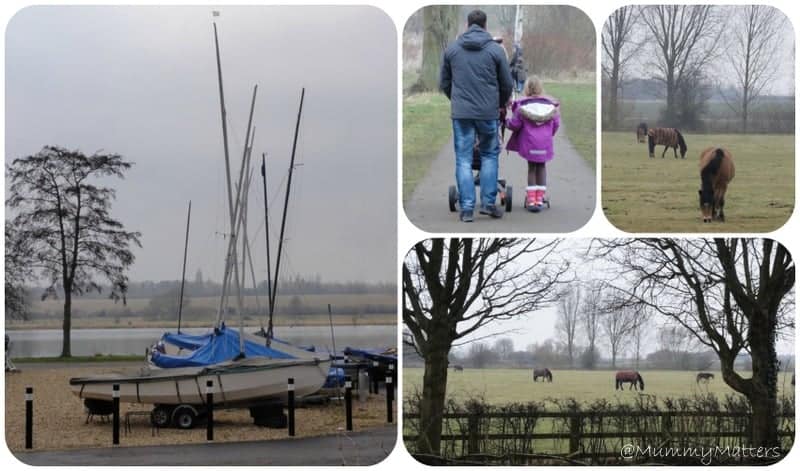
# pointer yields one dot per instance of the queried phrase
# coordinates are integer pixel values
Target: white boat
(240, 383)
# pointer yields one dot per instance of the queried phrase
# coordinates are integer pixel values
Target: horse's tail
(707, 174)
(651, 143)
(681, 143)
(641, 381)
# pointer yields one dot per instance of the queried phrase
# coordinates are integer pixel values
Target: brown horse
(543, 373)
(716, 171)
(705, 377)
(632, 377)
(641, 132)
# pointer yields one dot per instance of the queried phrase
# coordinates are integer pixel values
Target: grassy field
(640, 194)
(427, 127)
(578, 106)
(500, 386)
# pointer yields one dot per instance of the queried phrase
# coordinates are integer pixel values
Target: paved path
(571, 184)
(356, 449)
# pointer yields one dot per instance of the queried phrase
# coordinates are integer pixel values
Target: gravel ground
(59, 417)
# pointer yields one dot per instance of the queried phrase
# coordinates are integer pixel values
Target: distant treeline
(642, 100)
(204, 288)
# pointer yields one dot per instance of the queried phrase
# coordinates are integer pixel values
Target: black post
(348, 402)
(28, 418)
(210, 407)
(373, 376)
(291, 406)
(389, 396)
(115, 420)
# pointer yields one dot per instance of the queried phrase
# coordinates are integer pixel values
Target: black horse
(704, 377)
(543, 373)
(458, 368)
(641, 132)
(632, 377)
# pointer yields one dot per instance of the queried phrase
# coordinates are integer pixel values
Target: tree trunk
(764, 394)
(434, 389)
(66, 345)
(439, 27)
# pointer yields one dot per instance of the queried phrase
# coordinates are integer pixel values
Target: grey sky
(141, 81)
(539, 326)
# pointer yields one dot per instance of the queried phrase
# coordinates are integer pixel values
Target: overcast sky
(539, 326)
(142, 82)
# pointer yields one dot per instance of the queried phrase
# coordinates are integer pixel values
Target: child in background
(534, 122)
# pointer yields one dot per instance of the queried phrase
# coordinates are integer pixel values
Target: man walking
(476, 78)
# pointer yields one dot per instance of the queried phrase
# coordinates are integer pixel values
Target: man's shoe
(492, 211)
(466, 216)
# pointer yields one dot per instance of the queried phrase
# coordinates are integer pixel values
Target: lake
(133, 341)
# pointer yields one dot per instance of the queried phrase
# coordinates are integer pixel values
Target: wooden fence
(525, 437)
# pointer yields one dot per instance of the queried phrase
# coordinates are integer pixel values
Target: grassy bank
(426, 128)
(578, 106)
(660, 195)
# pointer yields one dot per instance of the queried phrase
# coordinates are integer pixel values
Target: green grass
(578, 107)
(660, 195)
(426, 128)
(502, 386)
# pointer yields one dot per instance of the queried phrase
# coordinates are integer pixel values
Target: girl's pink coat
(533, 141)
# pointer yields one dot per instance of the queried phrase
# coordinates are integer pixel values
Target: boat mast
(266, 238)
(183, 272)
(283, 217)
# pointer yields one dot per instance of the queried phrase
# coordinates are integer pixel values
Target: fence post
(373, 376)
(210, 413)
(574, 433)
(389, 396)
(666, 426)
(473, 434)
(28, 418)
(348, 403)
(290, 388)
(115, 401)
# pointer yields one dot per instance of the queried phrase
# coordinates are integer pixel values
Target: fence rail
(586, 434)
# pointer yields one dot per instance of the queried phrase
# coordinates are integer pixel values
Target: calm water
(87, 342)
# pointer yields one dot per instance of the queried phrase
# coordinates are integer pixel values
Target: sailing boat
(243, 371)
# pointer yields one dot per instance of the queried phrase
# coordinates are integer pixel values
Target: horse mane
(706, 175)
(681, 142)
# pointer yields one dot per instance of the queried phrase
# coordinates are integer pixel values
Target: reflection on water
(88, 342)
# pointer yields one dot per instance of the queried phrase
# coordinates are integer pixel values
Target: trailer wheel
(452, 198)
(184, 417)
(161, 416)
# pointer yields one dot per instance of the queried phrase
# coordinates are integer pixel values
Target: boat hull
(239, 383)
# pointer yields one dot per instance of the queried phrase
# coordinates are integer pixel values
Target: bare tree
(754, 44)
(504, 347)
(732, 295)
(569, 316)
(641, 331)
(590, 313)
(617, 325)
(452, 289)
(66, 217)
(685, 39)
(18, 260)
(439, 27)
(619, 47)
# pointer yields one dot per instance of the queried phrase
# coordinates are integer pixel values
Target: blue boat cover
(212, 348)
(335, 378)
(382, 355)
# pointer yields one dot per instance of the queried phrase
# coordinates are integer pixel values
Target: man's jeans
(464, 132)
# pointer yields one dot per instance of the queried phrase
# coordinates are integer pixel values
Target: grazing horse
(641, 132)
(667, 137)
(705, 377)
(543, 373)
(716, 171)
(458, 368)
(632, 377)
